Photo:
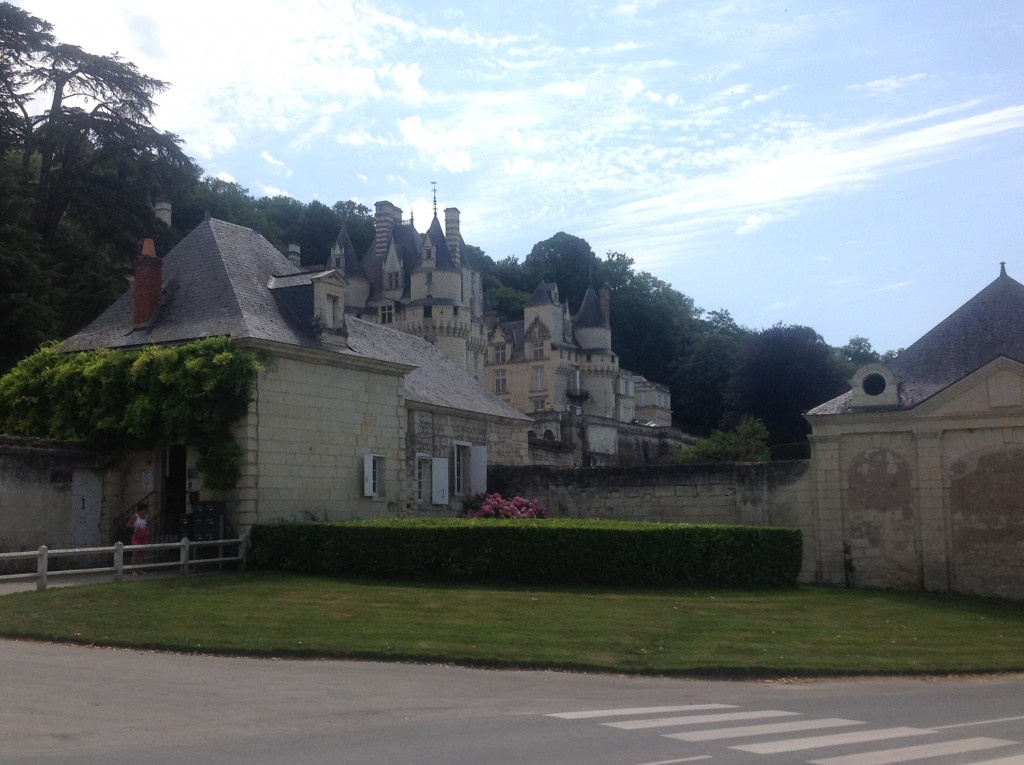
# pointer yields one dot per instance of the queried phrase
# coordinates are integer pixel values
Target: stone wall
(50, 493)
(768, 494)
(306, 436)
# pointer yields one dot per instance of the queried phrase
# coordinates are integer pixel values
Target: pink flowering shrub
(497, 506)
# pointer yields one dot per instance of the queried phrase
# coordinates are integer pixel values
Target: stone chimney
(149, 270)
(605, 299)
(451, 233)
(295, 254)
(163, 212)
(384, 220)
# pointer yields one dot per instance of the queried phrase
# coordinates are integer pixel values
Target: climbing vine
(189, 394)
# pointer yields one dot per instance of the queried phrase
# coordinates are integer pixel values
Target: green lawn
(797, 631)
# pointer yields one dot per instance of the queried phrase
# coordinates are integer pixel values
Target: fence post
(118, 561)
(184, 555)
(41, 567)
(243, 548)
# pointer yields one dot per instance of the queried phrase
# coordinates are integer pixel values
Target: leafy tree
(566, 260)
(320, 226)
(358, 221)
(700, 370)
(780, 373)
(78, 180)
(280, 220)
(647, 317)
(747, 442)
(508, 303)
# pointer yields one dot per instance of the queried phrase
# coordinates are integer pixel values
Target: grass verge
(791, 632)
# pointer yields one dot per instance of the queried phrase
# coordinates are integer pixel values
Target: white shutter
(477, 469)
(439, 481)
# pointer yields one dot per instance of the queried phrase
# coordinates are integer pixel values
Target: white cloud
(407, 78)
(269, 159)
(889, 84)
(271, 191)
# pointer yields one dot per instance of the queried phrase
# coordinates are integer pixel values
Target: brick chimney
(451, 233)
(295, 254)
(605, 298)
(384, 220)
(149, 270)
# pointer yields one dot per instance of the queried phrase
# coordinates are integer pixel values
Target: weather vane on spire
(434, 184)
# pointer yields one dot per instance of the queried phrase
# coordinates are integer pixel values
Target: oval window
(873, 384)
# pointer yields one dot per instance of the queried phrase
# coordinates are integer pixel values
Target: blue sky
(857, 167)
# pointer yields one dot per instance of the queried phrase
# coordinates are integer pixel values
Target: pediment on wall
(537, 330)
(996, 388)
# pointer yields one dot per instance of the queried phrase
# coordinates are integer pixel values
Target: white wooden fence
(187, 560)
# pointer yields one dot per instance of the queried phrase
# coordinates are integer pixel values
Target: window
(538, 351)
(422, 477)
(394, 280)
(500, 382)
(538, 404)
(460, 469)
(538, 378)
(499, 354)
(387, 314)
(373, 475)
(428, 312)
(333, 311)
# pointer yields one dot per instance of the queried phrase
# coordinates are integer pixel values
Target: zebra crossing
(779, 731)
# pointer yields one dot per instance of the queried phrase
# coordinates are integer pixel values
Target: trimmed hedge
(555, 552)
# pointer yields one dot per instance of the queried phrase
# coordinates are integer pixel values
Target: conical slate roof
(989, 325)
(590, 314)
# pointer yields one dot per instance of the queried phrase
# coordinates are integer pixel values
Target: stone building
(351, 418)
(557, 368)
(424, 285)
(562, 370)
(919, 468)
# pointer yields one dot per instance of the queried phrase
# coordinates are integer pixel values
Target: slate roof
(350, 267)
(989, 325)
(590, 314)
(224, 279)
(544, 294)
(436, 380)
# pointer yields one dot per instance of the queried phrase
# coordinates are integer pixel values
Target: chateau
(560, 369)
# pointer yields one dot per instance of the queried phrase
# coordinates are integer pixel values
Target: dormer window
(387, 314)
(874, 385)
(393, 280)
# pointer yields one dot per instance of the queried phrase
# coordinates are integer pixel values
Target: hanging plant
(190, 394)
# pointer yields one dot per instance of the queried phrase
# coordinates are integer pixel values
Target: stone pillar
(930, 495)
(828, 511)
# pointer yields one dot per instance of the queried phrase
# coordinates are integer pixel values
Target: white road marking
(685, 759)
(816, 742)
(666, 722)
(979, 722)
(715, 734)
(1016, 759)
(638, 711)
(924, 751)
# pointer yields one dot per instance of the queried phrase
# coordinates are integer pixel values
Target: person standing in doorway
(139, 524)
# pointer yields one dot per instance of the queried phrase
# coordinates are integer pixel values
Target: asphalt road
(72, 704)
